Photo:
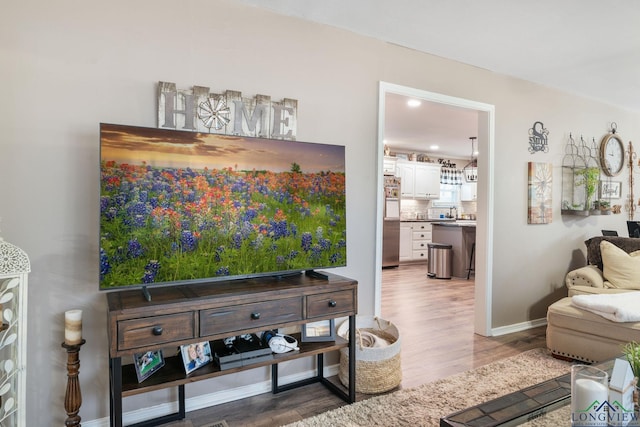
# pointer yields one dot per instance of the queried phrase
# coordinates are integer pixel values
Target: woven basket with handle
(377, 355)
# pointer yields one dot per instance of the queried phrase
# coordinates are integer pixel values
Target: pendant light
(471, 169)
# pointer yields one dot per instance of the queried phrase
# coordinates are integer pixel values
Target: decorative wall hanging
(574, 184)
(610, 189)
(630, 204)
(540, 193)
(446, 163)
(591, 176)
(538, 138)
(612, 153)
(14, 272)
(226, 113)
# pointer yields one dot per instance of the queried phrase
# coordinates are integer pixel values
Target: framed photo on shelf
(195, 355)
(610, 189)
(147, 364)
(323, 330)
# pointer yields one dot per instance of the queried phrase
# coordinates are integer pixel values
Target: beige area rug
(426, 404)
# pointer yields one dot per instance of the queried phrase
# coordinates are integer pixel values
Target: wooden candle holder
(73, 396)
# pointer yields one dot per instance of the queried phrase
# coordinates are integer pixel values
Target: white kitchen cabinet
(407, 173)
(419, 180)
(421, 239)
(427, 180)
(389, 165)
(469, 192)
(414, 240)
(406, 241)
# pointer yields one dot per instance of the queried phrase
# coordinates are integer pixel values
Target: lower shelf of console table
(294, 301)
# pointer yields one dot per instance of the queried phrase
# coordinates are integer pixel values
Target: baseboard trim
(210, 399)
(518, 327)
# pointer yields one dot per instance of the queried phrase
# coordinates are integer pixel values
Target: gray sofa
(577, 334)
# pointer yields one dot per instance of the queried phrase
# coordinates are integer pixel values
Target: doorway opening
(484, 227)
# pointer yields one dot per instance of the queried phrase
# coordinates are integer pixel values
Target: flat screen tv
(633, 227)
(183, 207)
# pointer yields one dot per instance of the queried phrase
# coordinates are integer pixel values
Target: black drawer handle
(332, 303)
(157, 330)
(255, 316)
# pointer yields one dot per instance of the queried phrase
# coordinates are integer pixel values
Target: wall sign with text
(227, 113)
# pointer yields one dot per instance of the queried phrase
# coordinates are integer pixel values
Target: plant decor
(632, 353)
(588, 177)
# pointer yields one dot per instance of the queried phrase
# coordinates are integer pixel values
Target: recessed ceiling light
(434, 147)
(413, 103)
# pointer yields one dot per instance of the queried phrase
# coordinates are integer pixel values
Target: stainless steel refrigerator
(391, 222)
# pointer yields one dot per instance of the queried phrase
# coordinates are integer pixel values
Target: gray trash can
(439, 260)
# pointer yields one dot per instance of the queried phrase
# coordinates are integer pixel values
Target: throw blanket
(622, 307)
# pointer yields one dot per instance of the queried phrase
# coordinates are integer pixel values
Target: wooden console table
(206, 312)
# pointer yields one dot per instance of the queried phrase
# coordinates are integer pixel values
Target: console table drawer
(226, 320)
(332, 303)
(151, 331)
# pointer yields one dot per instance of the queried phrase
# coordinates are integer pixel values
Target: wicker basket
(377, 368)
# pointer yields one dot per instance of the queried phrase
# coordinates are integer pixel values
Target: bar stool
(471, 269)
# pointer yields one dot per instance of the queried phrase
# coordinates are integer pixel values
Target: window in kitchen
(449, 196)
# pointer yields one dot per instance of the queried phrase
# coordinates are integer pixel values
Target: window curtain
(451, 176)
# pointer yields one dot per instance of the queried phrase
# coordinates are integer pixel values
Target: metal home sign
(227, 113)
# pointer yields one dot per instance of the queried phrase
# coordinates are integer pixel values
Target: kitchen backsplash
(413, 209)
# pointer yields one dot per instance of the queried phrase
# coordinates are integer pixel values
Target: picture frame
(147, 364)
(610, 189)
(322, 330)
(195, 355)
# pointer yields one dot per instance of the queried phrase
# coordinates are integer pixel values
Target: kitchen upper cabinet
(407, 174)
(389, 166)
(469, 192)
(419, 180)
(427, 182)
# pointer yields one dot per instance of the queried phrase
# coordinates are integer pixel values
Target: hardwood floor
(435, 320)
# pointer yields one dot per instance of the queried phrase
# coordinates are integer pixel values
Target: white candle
(589, 395)
(73, 327)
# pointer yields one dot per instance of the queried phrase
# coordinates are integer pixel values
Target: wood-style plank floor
(435, 320)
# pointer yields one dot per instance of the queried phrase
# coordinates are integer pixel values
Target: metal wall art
(538, 138)
(227, 113)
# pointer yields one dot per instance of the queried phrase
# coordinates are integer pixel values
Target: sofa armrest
(585, 276)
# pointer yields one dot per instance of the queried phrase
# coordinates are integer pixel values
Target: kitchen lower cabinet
(406, 242)
(414, 240)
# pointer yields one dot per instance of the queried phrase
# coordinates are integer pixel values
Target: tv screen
(185, 207)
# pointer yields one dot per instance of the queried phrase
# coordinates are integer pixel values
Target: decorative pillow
(620, 269)
(593, 247)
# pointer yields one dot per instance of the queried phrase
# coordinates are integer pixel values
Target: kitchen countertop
(463, 223)
(429, 220)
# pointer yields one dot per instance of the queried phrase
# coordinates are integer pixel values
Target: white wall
(69, 65)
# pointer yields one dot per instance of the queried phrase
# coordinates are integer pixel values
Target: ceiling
(416, 129)
(589, 48)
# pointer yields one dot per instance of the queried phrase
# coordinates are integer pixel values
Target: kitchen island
(461, 235)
